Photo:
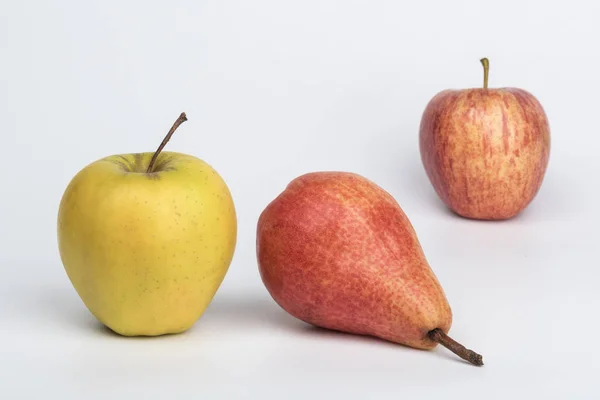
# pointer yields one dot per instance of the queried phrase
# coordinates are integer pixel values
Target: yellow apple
(146, 239)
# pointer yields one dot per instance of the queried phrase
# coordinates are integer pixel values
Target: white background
(274, 89)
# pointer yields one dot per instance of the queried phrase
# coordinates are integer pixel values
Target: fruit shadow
(262, 312)
(328, 334)
(60, 307)
(65, 309)
(252, 311)
(412, 183)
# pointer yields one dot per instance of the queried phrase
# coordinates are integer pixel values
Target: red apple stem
(486, 71)
(437, 335)
(180, 120)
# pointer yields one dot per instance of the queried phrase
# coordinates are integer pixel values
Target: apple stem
(437, 335)
(486, 71)
(180, 120)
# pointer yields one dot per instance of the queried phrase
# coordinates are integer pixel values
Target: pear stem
(486, 71)
(469, 355)
(180, 120)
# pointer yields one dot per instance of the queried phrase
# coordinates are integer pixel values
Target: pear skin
(336, 251)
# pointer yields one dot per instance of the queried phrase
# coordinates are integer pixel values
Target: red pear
(485, 150)
(336, 251)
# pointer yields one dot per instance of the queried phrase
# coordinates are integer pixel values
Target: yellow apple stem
(486, 71)
(180, 120)
(469, 355)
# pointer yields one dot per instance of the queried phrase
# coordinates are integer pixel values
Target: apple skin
(485, 151)
(147, 252)
(336, 251)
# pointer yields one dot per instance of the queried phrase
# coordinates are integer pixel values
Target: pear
(336, 251)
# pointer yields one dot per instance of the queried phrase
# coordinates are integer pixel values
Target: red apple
(485, 151)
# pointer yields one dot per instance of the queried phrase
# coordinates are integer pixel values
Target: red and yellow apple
(485, 151)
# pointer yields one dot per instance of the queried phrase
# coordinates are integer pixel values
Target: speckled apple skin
(336, 251)
(485, 151)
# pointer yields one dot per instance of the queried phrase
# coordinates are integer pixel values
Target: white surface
(274, 89)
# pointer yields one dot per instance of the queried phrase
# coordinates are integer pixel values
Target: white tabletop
(273, 90)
